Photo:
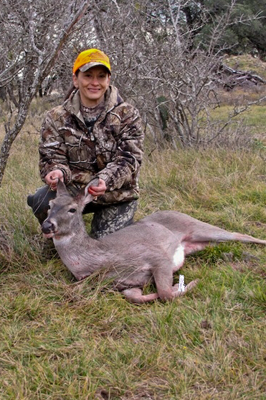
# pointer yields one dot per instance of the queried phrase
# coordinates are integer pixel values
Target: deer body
(151, 249)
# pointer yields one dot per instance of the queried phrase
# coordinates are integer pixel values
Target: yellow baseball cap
(90, 58)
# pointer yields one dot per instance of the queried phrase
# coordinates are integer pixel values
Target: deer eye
(72, 210)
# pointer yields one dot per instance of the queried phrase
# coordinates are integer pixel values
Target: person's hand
(52, 178)
(98, 190)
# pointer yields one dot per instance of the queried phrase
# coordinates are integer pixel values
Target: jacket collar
(112, 100)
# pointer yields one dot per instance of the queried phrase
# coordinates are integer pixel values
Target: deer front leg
(135, 295)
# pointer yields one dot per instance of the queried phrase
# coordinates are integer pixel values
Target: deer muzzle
(48, 228)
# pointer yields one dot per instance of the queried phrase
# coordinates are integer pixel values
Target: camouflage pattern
(113, 151)
(112, 218)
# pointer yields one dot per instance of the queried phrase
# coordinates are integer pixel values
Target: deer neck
(81, 254)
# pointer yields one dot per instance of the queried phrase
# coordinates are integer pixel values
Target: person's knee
(113, 218)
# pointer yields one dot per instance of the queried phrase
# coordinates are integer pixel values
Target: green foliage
(245, 33)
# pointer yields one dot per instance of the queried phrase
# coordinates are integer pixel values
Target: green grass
(63, 340)
(249, 124)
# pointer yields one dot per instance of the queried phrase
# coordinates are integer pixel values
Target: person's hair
(71, 88)
(69, 91)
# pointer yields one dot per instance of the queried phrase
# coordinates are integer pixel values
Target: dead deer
(151, 249)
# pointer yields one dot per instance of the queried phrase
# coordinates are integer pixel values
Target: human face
(92, 85)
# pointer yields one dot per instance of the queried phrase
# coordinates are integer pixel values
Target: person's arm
(126, 162)
(52, 151)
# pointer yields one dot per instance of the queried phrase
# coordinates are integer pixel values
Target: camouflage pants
(106, 218)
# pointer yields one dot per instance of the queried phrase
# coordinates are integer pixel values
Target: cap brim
(90, 65)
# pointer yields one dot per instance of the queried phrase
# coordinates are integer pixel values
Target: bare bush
(33, 33)
(162, 64)
(163, 60)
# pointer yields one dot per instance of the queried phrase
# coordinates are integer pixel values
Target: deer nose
(47, 226)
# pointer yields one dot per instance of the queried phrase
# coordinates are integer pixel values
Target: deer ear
(87, 196)
(93, 182)
(61, 188)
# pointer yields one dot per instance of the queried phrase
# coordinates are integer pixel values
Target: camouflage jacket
(113, 151)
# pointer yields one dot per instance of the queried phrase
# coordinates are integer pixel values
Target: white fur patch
(179, 256)
(64, 240)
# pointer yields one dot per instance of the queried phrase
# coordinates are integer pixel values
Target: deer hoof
(190, 286)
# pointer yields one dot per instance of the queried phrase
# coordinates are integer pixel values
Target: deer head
(65, 213)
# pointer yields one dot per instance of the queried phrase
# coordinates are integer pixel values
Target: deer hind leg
(163, 277)
(169, 292)
(190, 286)
(135, 295)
